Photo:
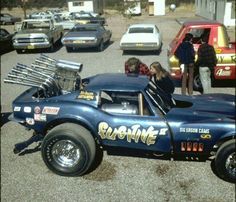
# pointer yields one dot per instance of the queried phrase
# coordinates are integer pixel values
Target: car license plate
(30, 47)
(139, 44)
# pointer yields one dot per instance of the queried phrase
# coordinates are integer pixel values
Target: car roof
(201, 22)
(142, 25)
(118, 82)
(36, 20)
(88, 25)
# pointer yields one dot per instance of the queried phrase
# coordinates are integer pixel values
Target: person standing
(186, 55)
(206, 62)
(135, 66)
(161, 78)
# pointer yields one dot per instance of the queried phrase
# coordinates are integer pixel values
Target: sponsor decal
(206, 136)
(16, 109)
(30, 121)
(86, 95)
(51, 110)
(40, 117)
(134, 133)
(37, 110)
(223, 72)
(194, 130)
(27, 109)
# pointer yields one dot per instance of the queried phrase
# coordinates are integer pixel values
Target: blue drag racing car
(72, 119)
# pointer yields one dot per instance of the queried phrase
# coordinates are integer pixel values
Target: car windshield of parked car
(36, 25)
(84, 29)
(140, 30)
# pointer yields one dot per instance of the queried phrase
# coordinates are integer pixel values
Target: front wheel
(69, 49)
(68, 150)
(225, 161)
(19, 51)
(101, 46)
(197, 84)
(51, 49)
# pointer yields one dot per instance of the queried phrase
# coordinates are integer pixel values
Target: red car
(218, 37)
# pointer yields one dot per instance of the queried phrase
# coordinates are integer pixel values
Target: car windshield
(84, 29)
(36, 25)
(159, 98)
(140, 30)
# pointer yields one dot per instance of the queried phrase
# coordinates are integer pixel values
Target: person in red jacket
(135, 66)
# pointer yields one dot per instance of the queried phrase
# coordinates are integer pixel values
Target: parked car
(225, 70)
(115, 110)
(6, 18)
(5, 41)
(37, 34)
(86, 17)
(86, 36)
(66, 24)
(144, 37)
(39, 15)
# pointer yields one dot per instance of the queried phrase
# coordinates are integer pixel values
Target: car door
(129, 121)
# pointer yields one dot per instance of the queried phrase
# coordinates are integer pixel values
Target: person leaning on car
(135, 66)
(206, 62)
(161, 78)
(186, 55)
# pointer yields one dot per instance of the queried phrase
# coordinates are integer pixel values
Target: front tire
(101, 46)
(69, 49)
(225, 161)
(19, 51)
(197, 84)
(68, 150)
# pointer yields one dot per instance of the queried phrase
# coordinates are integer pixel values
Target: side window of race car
(128, 103)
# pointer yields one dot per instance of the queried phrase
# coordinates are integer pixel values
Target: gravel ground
(26, 178)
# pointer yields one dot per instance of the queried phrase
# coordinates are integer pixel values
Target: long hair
(133, 64)
(160, 71)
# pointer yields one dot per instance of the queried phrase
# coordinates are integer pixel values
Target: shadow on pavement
(4, 117)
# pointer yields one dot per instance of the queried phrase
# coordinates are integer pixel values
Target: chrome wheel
(66, 153)
(230, 164)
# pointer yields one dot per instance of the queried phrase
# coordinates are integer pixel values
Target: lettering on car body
(51, 110)
(17, 109)
(86, 95)
(135, 132)
(27, 109)
(40, 117)
(194, 130)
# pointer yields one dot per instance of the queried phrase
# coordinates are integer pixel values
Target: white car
(145, 37)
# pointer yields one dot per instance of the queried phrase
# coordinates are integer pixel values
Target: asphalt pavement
(117, 178)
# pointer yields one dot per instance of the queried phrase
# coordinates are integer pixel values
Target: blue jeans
(205, 77)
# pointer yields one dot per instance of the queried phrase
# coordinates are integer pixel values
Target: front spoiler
(17, 120)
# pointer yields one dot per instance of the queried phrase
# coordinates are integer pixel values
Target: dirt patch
(106, 171)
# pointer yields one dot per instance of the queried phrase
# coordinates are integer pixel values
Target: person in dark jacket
(206, 62)
(186, 55)
(161, 78)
